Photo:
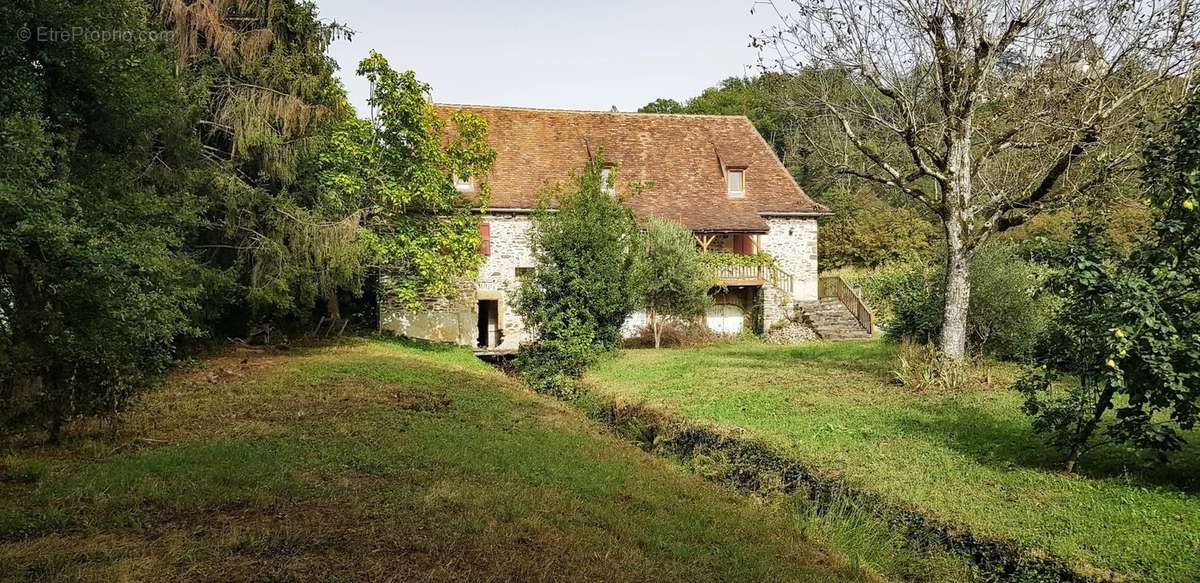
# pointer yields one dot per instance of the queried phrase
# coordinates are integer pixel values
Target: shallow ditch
(751, 466)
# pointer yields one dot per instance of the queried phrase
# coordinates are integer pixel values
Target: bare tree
(985, 111)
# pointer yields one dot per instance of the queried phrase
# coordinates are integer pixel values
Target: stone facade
(793, 244)
(456, 320)
(510, 252)
(792, 241)
(452, 319)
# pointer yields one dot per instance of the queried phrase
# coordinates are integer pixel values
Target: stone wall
(510, 251)
(452, 319)
(456, 319)
(793, 243)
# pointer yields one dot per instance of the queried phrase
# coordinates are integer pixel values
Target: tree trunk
(333, 309)
(56, 427)
(958, 301)
(657, 330)
(957, 222)
(1084, 435)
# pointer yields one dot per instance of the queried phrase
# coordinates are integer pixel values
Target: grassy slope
(969, 457)
(376, 461)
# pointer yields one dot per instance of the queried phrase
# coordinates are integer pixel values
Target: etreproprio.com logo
(84, 34)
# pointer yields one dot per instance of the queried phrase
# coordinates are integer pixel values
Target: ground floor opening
(488, 324)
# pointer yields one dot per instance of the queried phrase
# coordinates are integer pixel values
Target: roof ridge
(556, 110)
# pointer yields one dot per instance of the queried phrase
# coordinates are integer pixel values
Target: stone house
(714, 174)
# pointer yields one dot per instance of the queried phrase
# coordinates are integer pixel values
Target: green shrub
(1010, 311)
(584, 282)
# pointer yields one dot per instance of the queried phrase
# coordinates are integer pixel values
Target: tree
(583, 285)
(424, 233)
(98, 195)
(1130, 327)
(662, 105)
(675, 279)
(270, 98)
(985, 112)
(868, 231)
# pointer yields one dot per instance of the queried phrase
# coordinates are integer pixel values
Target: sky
(562, 54)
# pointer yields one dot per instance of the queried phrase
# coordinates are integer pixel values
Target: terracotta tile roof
(679, 155)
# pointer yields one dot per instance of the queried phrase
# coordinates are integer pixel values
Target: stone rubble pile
(793, 332)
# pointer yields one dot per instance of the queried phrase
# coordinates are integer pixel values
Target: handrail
(767, 273)
(833, 286)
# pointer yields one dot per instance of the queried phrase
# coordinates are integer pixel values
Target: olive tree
(675, 279)
(985, 111)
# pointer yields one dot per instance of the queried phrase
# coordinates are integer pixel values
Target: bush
(584, 282)
(676, 333)
(1010, 311)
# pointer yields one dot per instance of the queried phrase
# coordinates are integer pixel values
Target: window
(606, 185)
(735, 180)
(464, 184)
(485, 234)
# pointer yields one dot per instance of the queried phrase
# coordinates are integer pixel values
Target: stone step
(831, 320)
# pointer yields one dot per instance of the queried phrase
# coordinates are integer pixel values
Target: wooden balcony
(754, 275)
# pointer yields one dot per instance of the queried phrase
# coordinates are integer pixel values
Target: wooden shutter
(485, 233)
(743, 245)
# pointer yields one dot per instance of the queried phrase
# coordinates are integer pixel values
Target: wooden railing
(835, 287)
(755, 274)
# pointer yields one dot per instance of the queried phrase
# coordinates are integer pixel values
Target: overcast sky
(557, 54)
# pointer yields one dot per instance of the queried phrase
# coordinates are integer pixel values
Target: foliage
(421, 232)
(920, 367)
(726, 259)
(986, 114)
(831, 407)
(674, 279)
(98, 195)
(1009, 309)
(584, 282)
(867, 230)
(1129, 330)
(454, 444)
(268, 96)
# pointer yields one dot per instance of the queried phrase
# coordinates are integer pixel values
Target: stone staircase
(831, 320)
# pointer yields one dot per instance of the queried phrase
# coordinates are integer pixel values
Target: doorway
(489, 324)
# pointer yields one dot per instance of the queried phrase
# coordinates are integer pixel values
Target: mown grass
(968, 456)
(383, 461)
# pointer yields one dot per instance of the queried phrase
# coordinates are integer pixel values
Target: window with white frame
(735, 182)
(464, 184)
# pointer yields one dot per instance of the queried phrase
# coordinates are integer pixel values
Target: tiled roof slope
(680, 156)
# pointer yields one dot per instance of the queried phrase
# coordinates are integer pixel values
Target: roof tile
(678, 157)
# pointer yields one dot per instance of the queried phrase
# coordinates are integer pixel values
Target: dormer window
(464, 184)
(735, 182)
(606, 183)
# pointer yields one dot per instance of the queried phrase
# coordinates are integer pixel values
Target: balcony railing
(755, 275)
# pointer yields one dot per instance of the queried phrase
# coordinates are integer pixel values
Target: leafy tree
(584, 283)
(98, 195)
(987, 113)
(675, 278)
(1129, 328)
(423, 233)
(1008, 316)
(268, 95)
(662, 105)
(868, 231)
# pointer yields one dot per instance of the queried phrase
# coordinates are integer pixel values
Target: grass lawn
(377, 461)
(968, 457)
